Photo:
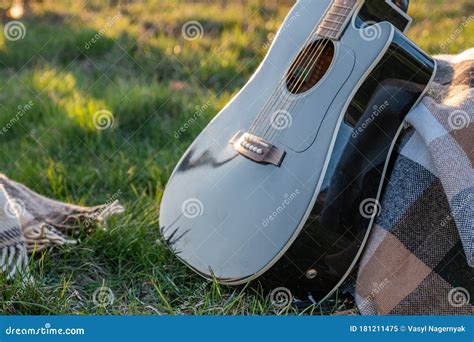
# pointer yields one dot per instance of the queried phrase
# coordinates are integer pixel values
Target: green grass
(153, 81)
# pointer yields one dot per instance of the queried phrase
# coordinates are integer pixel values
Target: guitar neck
(334, 21)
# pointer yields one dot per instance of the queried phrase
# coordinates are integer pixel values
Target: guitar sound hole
(310, 66)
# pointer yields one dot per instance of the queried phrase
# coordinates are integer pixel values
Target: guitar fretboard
(333, 23)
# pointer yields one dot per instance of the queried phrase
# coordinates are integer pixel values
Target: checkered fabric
(30, 222)
(13, 256)
(420, 255)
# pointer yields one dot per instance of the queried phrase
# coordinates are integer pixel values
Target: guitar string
(299, 83)
(274, 96)
(292, 82)
(288, 98)
(345, 15)
(329, 10)
(277, 133)
(278, 92)
(256, 124)
(311, 64)
(317, 48)
(261, 118)
(328, 40)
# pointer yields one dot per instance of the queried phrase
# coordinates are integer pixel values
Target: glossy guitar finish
(300, 223)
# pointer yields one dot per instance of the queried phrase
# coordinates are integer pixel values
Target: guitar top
(283, 186)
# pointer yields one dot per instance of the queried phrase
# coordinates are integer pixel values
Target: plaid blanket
(30, 222)
(420, 256)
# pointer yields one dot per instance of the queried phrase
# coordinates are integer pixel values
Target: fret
(339, 14)
(332, 27)
(328, 28)
(342, 6)
(330, 35)
(334, 21)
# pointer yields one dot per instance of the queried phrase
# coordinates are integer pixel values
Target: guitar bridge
(257, 149)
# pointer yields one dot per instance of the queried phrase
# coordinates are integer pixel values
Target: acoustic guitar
(284, 184)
